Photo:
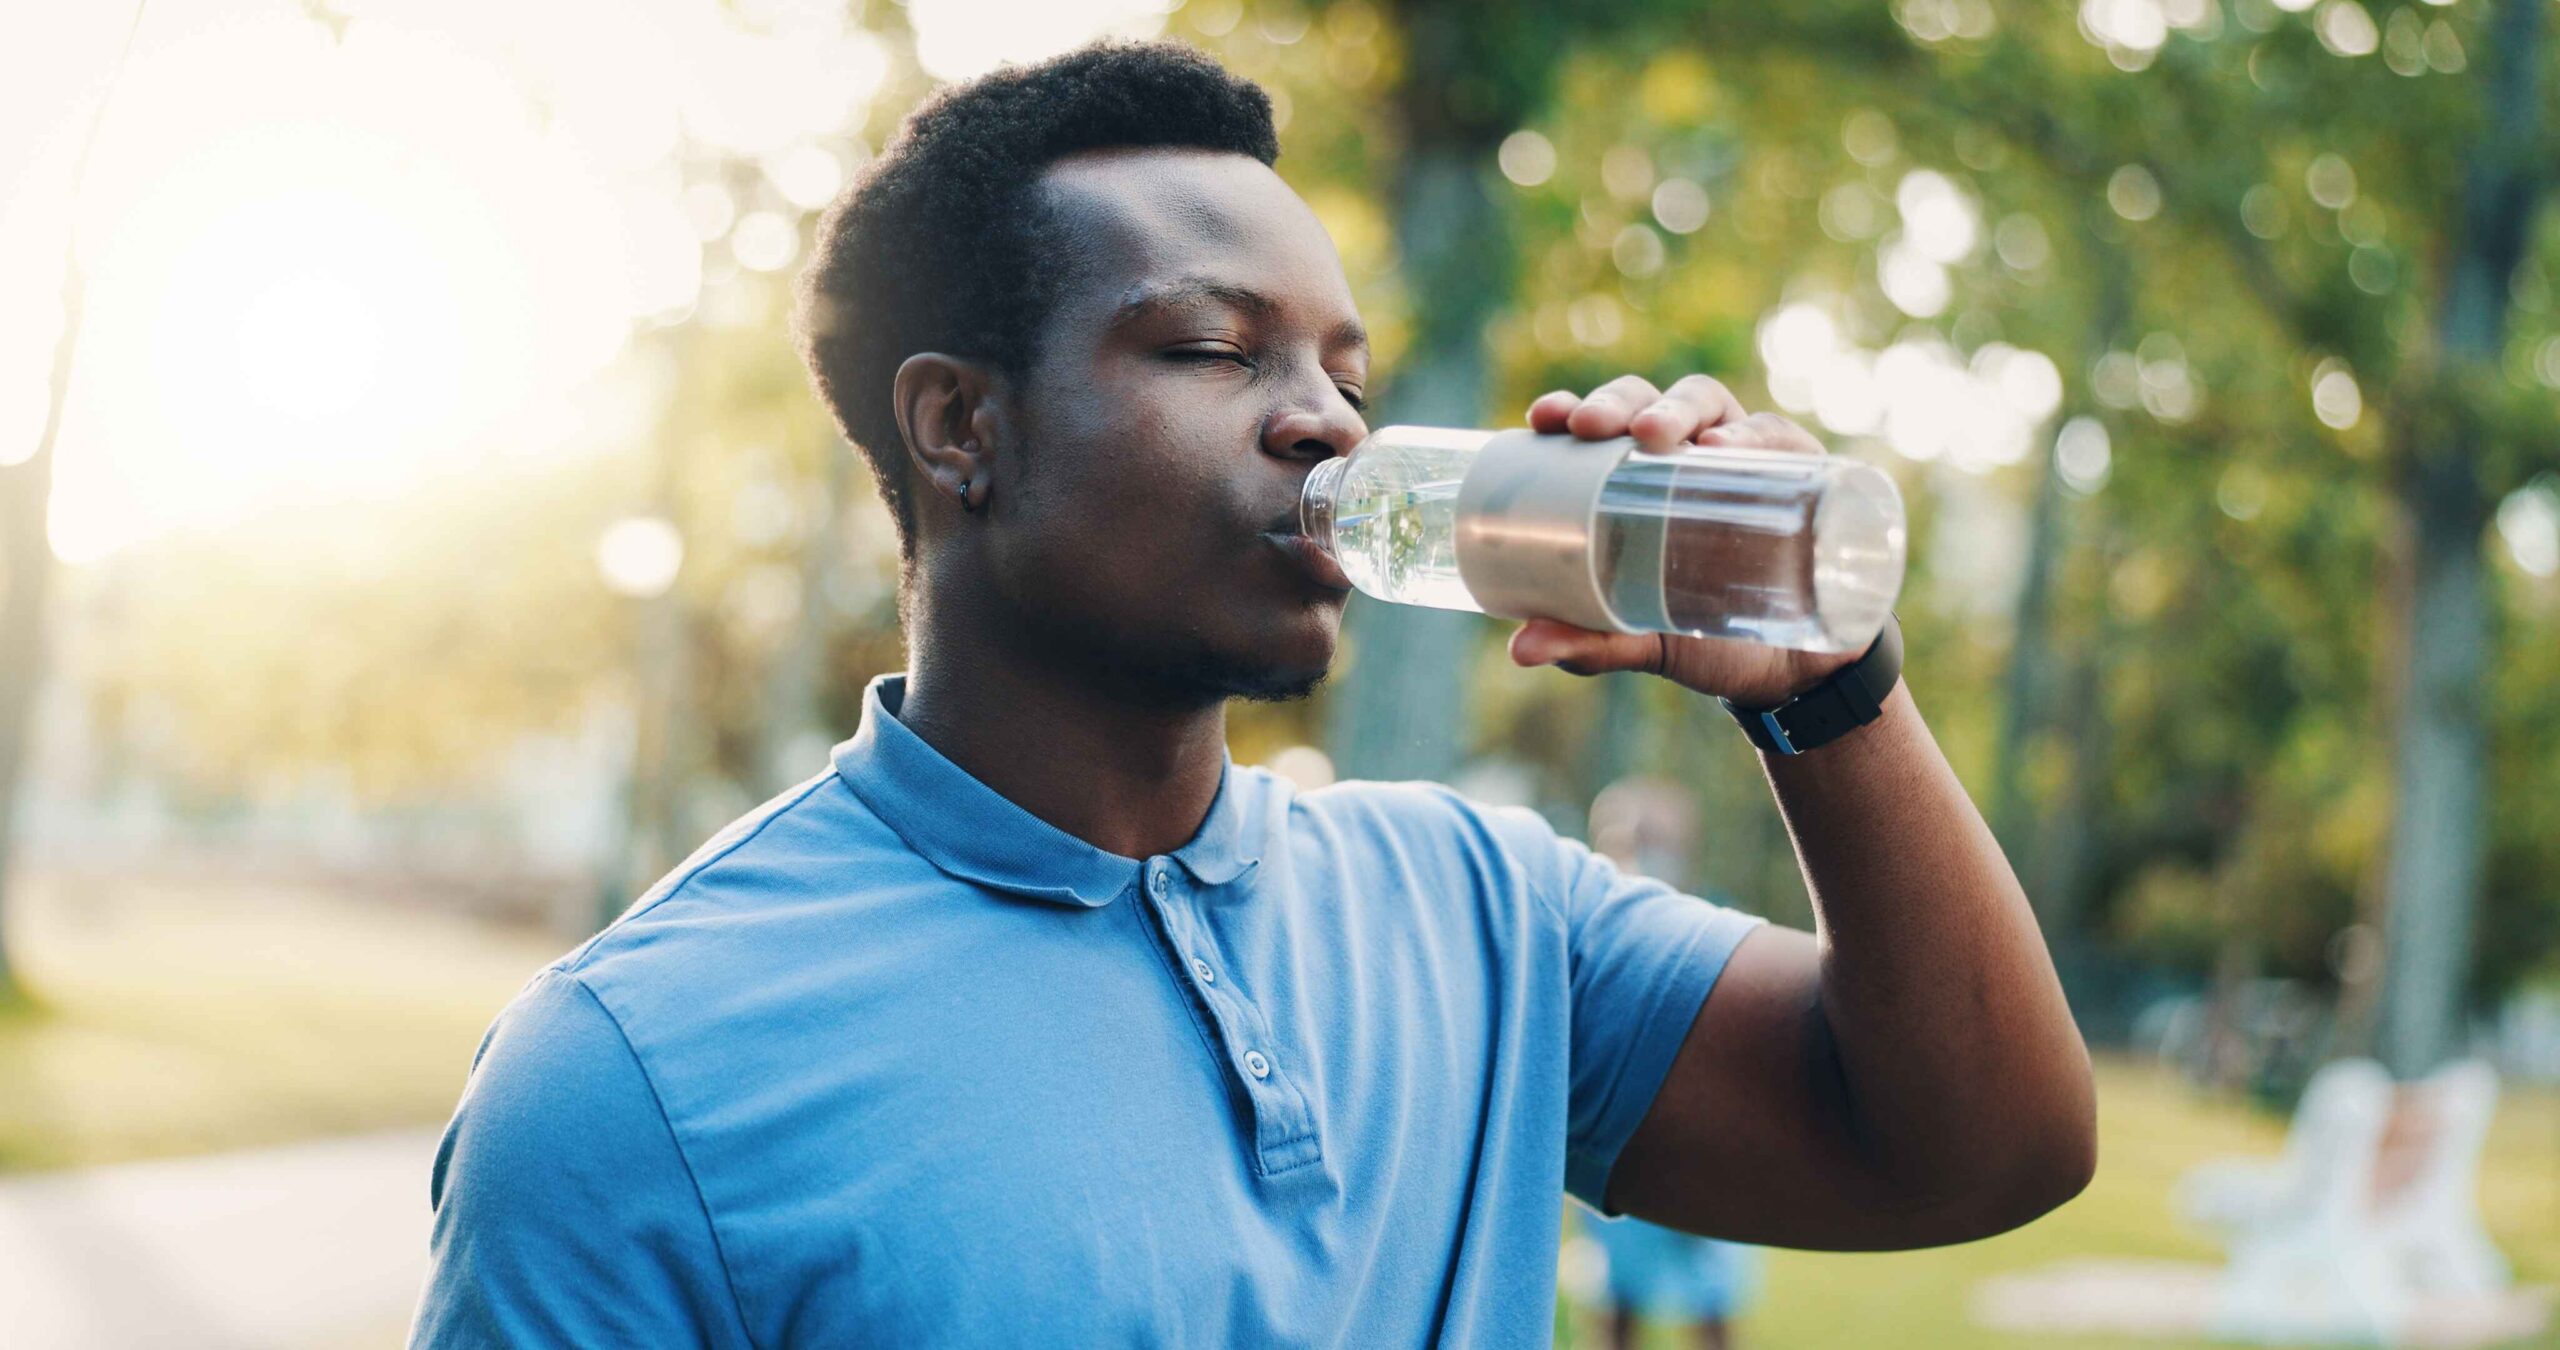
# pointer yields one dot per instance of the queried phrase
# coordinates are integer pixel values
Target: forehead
(1141, 218)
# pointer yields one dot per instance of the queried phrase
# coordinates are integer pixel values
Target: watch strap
(1850, 698)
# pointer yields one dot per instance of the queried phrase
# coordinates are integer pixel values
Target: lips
(1315, 562)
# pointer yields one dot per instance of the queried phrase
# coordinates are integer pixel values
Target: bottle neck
(1317, 500)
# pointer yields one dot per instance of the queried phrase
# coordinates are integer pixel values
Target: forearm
(1966, 1082)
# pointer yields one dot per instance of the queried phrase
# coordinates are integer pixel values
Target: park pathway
(294, 1248)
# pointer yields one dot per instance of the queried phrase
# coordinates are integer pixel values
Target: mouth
(1317, 564)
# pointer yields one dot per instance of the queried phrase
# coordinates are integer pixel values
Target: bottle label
(1526, 515)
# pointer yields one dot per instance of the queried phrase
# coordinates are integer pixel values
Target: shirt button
(1159, 883)
(1256, 1065)
(1201, 969)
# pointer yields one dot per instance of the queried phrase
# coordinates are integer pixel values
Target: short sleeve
(565, 1213)
(1643, 957)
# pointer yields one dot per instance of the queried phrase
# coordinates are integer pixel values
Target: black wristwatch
(1852, 697)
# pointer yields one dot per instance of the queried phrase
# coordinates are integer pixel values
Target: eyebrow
(1145, 298)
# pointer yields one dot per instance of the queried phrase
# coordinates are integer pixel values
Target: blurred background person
(1669, 1278)
(1655, 1274)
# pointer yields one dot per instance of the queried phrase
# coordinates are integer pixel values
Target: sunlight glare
(310, 348)
(957, 39)
(320, 267)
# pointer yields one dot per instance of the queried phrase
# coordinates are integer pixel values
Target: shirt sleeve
(1643, 957)
(565, 1212)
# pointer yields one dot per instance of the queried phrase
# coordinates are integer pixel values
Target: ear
(946, 410)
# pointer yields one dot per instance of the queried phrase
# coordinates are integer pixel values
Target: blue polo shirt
(891, 1061)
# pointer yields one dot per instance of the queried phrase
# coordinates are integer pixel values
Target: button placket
(1182, 926)
(1283, 1138)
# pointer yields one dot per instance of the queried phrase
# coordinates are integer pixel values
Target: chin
(1280, 686)
(1295, 666)
(1204, 677)
(1201, 665)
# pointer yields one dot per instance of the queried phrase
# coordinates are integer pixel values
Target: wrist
(1812, 672)
(1837, 695)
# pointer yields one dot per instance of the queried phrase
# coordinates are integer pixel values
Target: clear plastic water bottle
(1794, 550)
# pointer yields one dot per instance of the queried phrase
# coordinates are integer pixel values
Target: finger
(1686, 408)
(1664, 424)
(1764, 431)
(1547, 415)
(1605, 413)
(1580, 651)
(1710, 394)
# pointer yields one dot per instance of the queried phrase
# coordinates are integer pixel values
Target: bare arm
(1906, 1075)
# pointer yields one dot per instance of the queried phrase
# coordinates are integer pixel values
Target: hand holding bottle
(1696, 410)
(1618, 517)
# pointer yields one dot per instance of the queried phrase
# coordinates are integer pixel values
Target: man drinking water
(1035, 1020)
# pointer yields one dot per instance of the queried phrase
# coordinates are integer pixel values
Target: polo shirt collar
(972, 832)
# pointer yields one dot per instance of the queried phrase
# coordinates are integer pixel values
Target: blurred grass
(180, 1015)
(2152, 1128)
(186, 1014)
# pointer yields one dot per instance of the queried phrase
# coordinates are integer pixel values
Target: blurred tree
(26, 491)
(1467, 76)
(2423, 201)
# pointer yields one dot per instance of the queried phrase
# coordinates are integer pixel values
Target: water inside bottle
(1740, 549)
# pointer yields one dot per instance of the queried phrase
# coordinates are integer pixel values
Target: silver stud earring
(964, 495)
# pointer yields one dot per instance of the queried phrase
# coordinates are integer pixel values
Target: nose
(1312, 433)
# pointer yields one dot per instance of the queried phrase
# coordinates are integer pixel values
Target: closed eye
(1237, 359)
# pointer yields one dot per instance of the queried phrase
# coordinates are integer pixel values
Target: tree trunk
(653, 833)
(795, 688)
(2439, 834)
(2030, 673)
(2064, 873)
(26, 548)
(1399, 710)
(26, 554)
(2439, 821)
(2032, 658)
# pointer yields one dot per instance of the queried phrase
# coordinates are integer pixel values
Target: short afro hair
(939, 246)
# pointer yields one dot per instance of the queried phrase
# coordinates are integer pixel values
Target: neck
(1126, 778)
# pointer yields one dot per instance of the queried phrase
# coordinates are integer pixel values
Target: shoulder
(703, 954)
(803, 845)
(1431, 823)
(555, 1078)
(566, 1210)
(1422, 806)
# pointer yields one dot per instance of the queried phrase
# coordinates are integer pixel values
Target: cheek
(1125, 504)
(1141, 449)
